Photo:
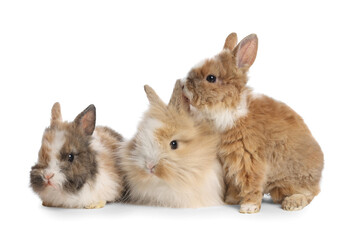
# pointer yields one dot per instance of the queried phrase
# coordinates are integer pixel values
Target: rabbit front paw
(249, 208)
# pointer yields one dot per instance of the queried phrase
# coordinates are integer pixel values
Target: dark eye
(173, 144)
(211, 78)
(71, 157)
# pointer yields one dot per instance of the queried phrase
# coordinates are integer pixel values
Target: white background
(103, 52)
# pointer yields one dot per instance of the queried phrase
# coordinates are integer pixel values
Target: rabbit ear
(55, 114)
(246, 50)
(178, 100)
(231, 41)
(86, 120)
(153, 97)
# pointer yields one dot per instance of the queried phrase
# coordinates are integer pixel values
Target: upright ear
(246, 50)
(178, 100)
(55, 114)
(231, 41)
(153, 97)
(86, 120)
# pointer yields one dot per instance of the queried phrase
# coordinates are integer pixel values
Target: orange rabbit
(265, 146)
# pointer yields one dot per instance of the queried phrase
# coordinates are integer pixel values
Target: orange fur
(265, 146)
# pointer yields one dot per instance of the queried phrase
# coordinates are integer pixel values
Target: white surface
(103, 52)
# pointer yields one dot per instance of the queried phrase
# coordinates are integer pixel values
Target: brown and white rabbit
(265, 146)
(172, 161)
(77, 163)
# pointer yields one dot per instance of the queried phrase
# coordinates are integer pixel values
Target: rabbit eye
(211, 78)
(71, 157)
(173, 144)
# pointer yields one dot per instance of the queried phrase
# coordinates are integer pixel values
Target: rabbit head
(65, 160)
(216, 87)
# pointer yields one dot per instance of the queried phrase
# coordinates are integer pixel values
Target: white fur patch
(54, 164)
(147, 152)
(224, 119)
(58, 142)
(54, 193)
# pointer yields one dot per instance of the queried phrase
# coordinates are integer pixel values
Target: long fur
(92, 178)
(265, 146)
(155, 174)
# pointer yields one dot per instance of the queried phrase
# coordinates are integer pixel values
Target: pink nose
(49, 176)
(151, 167)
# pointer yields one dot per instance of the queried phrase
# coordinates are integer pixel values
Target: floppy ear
(246, 50)
(55, 114)
(153, 97)
(86, 120)
(231, 41)
(178, 100)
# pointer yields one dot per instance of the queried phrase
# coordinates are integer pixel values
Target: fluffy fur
(265, 146)
(156, 174)
(77, 163)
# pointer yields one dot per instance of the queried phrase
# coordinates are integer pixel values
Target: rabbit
(265, 146)
(77, 164)
(172, 161)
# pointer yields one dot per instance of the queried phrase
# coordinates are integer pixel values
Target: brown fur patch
(55, 114)
(231, 41)
(84, 166)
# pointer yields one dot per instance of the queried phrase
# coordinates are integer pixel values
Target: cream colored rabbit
(172, 161)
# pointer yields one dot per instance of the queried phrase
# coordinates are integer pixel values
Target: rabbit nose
(151, 167)
(49, 176)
